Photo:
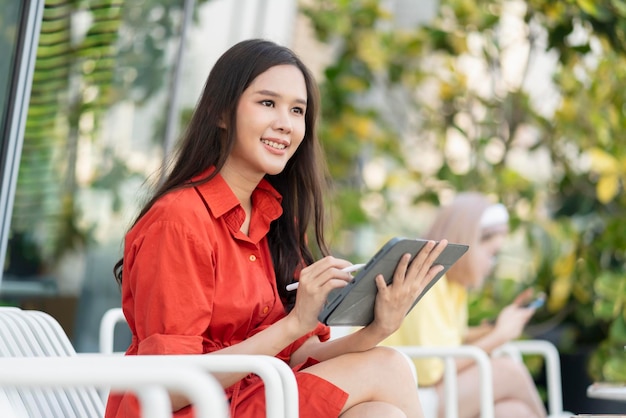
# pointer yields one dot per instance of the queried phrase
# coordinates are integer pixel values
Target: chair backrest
(149, 378)
(28, 333)
(41, 375)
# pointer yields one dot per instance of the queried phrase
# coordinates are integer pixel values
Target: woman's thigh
(379, 374)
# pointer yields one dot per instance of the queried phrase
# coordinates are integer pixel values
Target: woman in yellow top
(440, 318)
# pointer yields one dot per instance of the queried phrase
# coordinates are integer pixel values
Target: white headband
(494, 215)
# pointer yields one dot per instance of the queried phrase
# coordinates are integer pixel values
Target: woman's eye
(298, 110)
(268, 103)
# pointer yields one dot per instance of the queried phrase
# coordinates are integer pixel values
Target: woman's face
(491, 241)
(270, 122)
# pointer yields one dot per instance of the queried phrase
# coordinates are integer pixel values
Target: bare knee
(390, 360)
(507, 369)
(512, 408)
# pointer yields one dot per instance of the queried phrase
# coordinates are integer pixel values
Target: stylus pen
(349, 269)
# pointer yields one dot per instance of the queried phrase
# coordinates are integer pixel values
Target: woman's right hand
(514, 317)
(316, 282)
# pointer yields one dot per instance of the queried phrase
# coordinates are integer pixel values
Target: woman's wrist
(374, 333)
(295, 328)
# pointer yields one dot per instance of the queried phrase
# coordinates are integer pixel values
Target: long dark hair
(205, 144)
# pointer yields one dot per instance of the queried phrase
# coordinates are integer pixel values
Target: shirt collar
(221, 199)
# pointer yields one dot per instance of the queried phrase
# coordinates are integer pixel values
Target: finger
(399, 274)
(416, 268)
(436, 252)
(523, 297)
(322, 265)
(428, 255)
(433, 272)
(381, 284)
(318, 273)
(333, 284)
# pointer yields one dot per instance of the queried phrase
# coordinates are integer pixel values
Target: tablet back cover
(353, 305)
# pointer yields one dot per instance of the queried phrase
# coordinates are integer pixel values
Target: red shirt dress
(193, 283)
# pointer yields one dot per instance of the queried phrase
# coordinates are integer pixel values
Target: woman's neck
(242, 184)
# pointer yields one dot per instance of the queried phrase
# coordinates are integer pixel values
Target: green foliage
(142, 63)
(406, 96)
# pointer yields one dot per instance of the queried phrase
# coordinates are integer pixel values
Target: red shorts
(317, 397)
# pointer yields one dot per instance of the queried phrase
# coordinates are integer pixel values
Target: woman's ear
(221, 123)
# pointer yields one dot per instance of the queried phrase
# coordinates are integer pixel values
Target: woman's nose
(283, 122)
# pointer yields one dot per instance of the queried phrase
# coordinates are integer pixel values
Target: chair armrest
(447, 353)
(108, 322)
(148, 378)
(281, 389)
(552, 364)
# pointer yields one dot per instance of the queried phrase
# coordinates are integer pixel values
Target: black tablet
(353, 305)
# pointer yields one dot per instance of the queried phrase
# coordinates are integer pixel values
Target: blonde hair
(459, 222)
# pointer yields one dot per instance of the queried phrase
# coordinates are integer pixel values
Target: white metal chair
(31, 334)
(515, 349)
(428, 398)
(448, 354)
(42, 376)
(281, 395)
(547, 350)
(20, 340)
(150, 380)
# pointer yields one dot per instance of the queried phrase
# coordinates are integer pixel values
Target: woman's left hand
(394, 300)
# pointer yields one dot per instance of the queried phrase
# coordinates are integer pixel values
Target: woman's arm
(359, 340)
(509, 326)
(475, 333)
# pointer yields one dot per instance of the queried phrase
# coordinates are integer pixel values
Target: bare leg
(512, 409)
(512, 385)
(379, 383)
(373, 410)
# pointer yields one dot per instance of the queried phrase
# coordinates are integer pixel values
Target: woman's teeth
(273, 144)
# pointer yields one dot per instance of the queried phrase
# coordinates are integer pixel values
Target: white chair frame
(449, 379)
(281, 395)
(149, 379)
(550, 354)
(37, 335)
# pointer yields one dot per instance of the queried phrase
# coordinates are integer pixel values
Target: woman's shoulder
(181, 207)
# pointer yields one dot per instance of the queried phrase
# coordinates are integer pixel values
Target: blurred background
(521, 100)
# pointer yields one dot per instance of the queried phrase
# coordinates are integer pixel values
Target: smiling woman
(219, 241)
